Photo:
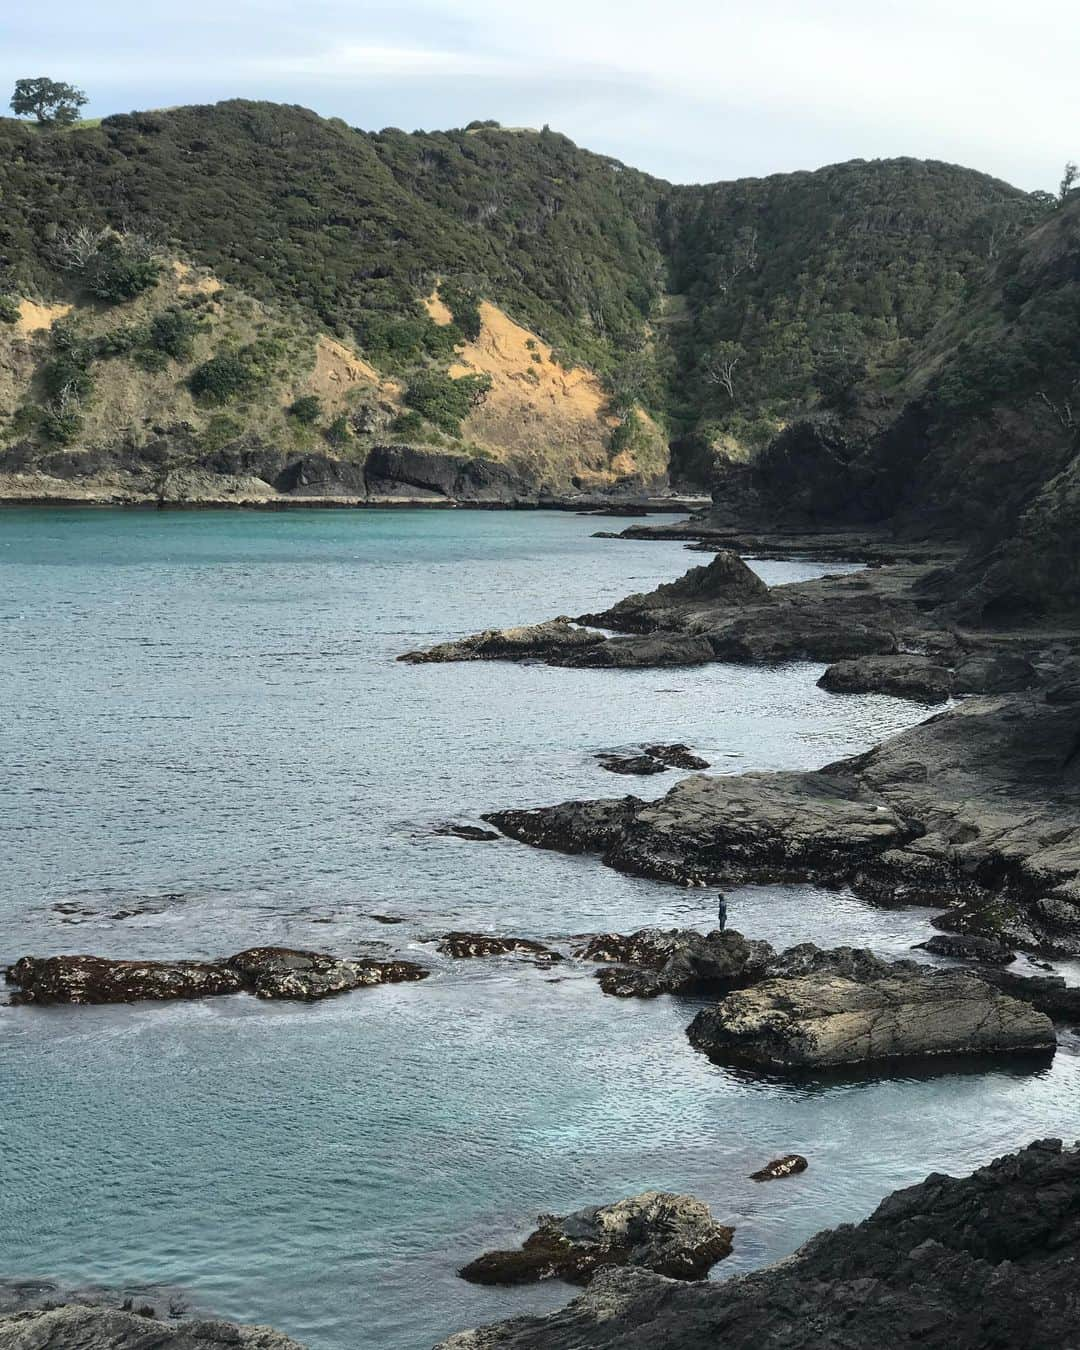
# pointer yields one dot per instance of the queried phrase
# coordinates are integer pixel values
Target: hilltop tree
(50, 101)
(1068, 182)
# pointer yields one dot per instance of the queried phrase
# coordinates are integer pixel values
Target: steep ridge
(604, 305)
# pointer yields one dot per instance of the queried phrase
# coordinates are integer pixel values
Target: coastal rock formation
(976, 810)
(969, 947)
(737, 828)
(822, 1020)
(532, 642)
(985, 1261)
(268, 972)
(473, 833)
(725, 581)
(463, 945)
(656, 961)
(673, 1235)
(787, 1166)
(913, 677)
(97, 979)
(278, 972)
(652, 759)
(639, 765)
(76, 1326)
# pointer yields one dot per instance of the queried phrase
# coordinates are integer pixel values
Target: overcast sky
(691, 90)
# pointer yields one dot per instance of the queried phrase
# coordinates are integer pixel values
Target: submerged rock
(816, 1021)
(986, 1261)
(912, 677)
(463, 945)
(677, 756)
(471, 832)
(76, 1326)
(787, 1166)
(656, 961)
(98, 979)
(538, 641)
(674, 1235)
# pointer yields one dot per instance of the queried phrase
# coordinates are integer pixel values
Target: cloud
(690, 89)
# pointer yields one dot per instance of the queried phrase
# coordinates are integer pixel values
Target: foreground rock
(83, 1327)
(533, 642)
(268, 972)
(823, 1020)
(983, 1263)
(673, 1235)
(912, 677)
(976, 810)
(656, 961)
(464, 945)
(787, 1166)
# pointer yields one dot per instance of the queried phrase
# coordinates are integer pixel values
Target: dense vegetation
(725, 309)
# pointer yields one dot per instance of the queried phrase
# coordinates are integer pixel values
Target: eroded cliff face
(140, 433)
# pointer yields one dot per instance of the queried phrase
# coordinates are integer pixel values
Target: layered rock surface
(987, 1262)
(82, 1327)
(823, 1020)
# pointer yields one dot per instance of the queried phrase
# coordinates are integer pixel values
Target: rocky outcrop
(913, 677)
(823, 1020)
(77, 1326)
(267, 972)
(638, 765)
(97, 979)
(673, 1235)
(711, 830)
(969, 947)
(986, 1261)
(278, 972)
(656, 961)
(677, 756)
(474, 833)
(975, 811)
(787, 1166)
(463, 945)
(724, 582)
(534, 642)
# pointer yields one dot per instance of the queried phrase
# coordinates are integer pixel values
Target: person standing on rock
(721, 911)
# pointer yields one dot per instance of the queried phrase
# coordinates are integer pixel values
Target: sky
(690, 90)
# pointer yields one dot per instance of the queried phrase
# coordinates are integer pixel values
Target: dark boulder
(472, 832)
(912, 677)
(656, 961)
(639, 765)
(464, 945)
(677, 756)
(787, 1166)
(969, 947)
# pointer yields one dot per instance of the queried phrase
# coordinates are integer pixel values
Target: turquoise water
(208, 744)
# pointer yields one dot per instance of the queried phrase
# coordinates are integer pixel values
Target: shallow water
(208, 744)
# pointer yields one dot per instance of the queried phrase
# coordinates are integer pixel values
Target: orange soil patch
(34, 317)
(338, 370)
(438, 312)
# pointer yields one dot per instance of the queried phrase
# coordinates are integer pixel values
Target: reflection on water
(209, 744)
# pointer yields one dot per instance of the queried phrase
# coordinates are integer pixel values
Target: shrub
(173, 332)
(118, 272)
(9, 309)
(66, 374)
(464, 305)
(339, 432)
(443, 401)
(306, 409)
(223, 377)
(408, 423)
(61, 425)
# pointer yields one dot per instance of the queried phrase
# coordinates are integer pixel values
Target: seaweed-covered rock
(656, 961)
(100, 979)
(281, 973)
(462, 945)
(787, 1166)
(674, 1235)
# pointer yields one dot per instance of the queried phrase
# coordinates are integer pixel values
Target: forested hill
(722, 311)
